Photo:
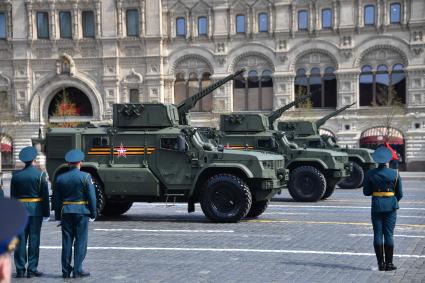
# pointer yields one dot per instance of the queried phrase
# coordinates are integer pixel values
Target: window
(134, 96)
(240, 24)
(42, 25)
(100, 142)
(395, 13)
(321, 85)
(202, 26)
(169, 143)
(133, 22)
(88, 23)
(2, 26)
(302, 20)
(382, 88)
(181, 27)
(65, 24)
(369, 15)
(326, 18)
(254, 93)
(263, 22)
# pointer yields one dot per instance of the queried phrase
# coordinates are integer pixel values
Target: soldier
(30, 187)
(74, 202)
(384, 185)
(13, 220)
(1, 187)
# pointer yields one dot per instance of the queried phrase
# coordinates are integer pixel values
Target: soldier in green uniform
(384, 185)
(74, 202)
(30, 187)
(13, 220)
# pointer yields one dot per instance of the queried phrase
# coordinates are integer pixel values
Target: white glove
(46, 219)
(92, 219)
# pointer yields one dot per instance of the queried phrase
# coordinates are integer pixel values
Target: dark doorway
(70, 102)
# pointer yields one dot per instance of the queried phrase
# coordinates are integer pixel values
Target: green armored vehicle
(148, 156)
(306, 133)
(313, 172)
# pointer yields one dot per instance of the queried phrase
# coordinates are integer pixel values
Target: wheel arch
(318, 164)
(238, 170)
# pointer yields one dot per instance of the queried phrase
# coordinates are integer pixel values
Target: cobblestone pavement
(328, 241)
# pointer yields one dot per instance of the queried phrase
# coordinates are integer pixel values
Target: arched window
(382, 84)
(395, 13)
(181, 27)
(381, 88)
(263, 22)
(302, 20)
(326, 18)
(240, 23)
(369, 15)
(329, 87)
(202, 26)
(321, 85)
(255, 93)
(366, 86)
(185, 87)
(398, 84)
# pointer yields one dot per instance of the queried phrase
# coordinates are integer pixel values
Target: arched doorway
(6, 149)
(70, 107)
(377, 136)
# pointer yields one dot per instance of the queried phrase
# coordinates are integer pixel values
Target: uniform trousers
(383, 227)
(74, 232)
(31, 234)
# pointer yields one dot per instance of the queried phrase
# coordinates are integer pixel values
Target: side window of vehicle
(100, 141)
(170, 143)
(265, 143)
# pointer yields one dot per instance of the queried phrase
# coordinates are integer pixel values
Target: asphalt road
(328, 241)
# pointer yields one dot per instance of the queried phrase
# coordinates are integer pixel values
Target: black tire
(257, 208)
(355, 180)
(100, 195)
(225, 198)
(306, 184)
(330, 189)
(116, 208)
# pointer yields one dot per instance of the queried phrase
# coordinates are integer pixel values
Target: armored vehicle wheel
(330, 189)
(100, 195)
(355, 180)
(257, 208)
(225, 198)
(116, 208)
(306, 183)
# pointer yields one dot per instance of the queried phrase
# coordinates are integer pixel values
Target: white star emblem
(121, 151)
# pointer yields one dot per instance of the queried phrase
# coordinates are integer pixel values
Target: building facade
(70, 61)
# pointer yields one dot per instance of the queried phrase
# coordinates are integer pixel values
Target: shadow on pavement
(325, 265)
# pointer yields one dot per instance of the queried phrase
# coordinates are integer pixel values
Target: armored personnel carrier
(313, 172)
(148, 156)
(306, 133)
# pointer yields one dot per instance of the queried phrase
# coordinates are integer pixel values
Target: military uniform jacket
(31, 183)
(74, 186)
(383, 177)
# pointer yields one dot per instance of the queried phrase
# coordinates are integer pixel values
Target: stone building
(100, 52)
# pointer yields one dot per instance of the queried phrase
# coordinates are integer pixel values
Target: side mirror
(220, 148)
(181, 143)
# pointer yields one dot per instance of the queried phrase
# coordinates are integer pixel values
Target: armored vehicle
(306, 133)
(313, 172)
(147, 156)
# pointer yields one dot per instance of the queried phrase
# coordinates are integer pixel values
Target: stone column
(52, 19)
(335, 24)
(248, 21)
(360, 12)
(283, 88)
(231, 22)
(223, 96)
(187, 22)
(169, 90)
(142, 19)
(119, 18)
(75, 31)
(271, 19)
(9, 30)
(98, 19)
(29, 20)
(209, 23)
(348, 87)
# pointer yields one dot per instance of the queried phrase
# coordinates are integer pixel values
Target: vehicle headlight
(268, 164)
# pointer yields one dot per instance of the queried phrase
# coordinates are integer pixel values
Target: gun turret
(278, 112)
(187, 104)
(323, 120)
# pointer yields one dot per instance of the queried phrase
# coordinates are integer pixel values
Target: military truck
(147, 156)
(306, 133)
(313, 172)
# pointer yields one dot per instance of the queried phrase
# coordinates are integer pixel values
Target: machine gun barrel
(323, 120)
(278, 112)
(187, 104)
